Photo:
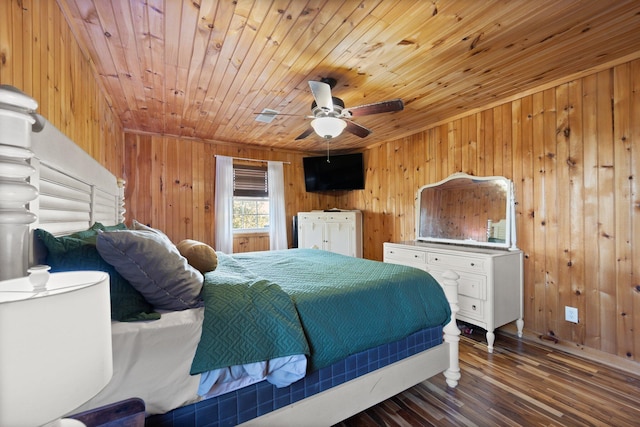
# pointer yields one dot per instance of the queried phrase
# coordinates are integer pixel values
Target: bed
(160, 353)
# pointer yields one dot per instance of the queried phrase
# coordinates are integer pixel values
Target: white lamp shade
(55, 346)
(328, 127)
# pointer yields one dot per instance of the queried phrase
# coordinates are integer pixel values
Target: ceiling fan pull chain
(328, 161)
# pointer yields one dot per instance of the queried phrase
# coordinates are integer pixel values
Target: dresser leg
(491, 338)
(520, 326)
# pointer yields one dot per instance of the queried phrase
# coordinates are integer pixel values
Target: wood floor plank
(522, 383)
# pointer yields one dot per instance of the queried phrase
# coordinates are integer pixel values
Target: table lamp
(55, 345)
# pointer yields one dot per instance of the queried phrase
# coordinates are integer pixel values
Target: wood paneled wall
(171, 184)
(40, 56)
(573, 152)
(252, 242)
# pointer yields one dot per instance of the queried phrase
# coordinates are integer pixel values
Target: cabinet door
(339, 238)
(311, 234)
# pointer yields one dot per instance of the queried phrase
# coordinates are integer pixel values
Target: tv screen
(340, 172)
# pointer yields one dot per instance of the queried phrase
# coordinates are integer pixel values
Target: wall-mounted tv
(336, 172)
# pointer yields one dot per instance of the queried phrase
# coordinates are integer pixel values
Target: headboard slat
(54, 191)
(62, 179)
(53, 215)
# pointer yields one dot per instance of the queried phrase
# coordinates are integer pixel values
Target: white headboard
(46, 181)
(75, 191)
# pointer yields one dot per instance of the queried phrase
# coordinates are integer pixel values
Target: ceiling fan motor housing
(338, 106)
(330, 81)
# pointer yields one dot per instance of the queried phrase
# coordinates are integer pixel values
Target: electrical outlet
(571, 314)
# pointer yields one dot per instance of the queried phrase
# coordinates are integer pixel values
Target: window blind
(250, 181)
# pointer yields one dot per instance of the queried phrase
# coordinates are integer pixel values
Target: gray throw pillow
(153, 266)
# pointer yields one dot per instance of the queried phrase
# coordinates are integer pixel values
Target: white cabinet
(339, 232)
(490, 287)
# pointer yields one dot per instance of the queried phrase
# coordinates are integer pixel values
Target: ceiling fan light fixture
(328, 127)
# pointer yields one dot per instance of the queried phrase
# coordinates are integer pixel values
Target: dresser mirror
(467, 210)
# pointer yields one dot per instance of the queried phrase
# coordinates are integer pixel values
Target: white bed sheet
(152, 361)
(281, 372)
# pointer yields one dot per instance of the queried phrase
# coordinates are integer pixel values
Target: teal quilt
(247, 319)
(345, 304)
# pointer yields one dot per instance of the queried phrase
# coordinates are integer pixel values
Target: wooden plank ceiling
(204, 68)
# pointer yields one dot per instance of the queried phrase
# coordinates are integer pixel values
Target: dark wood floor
(521, 384)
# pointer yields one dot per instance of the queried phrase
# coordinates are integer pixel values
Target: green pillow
(89, 236)
(78, 252)
(99, 226)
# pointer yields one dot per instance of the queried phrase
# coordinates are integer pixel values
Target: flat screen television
(340, 172)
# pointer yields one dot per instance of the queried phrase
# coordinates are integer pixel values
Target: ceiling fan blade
(375, 108)
(305, 134)
(356, 129)
(322, 94)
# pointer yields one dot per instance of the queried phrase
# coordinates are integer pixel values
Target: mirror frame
(510, 229)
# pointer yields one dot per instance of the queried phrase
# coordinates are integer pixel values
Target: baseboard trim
(575, 349)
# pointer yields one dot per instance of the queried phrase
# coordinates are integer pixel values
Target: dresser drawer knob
(472, 264)
(473, 307)
(416, 256)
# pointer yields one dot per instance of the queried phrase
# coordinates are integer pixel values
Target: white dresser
(490, 284)
(339, 232)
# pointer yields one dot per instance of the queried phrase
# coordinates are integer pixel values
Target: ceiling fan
(330, 117)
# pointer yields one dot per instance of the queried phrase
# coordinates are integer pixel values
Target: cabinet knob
(472, 264)
(435, 259)
(415, 256)
(473, 307)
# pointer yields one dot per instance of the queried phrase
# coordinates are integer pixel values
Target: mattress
(152, 360)
(261, 398)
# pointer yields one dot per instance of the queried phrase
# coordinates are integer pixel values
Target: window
(250, 213)
(250, 198)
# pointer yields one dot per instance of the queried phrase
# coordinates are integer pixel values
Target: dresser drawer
(456, 262)
(309, 217)
(471, 307)
(406, 255)
(341, 217)
(469, 284)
